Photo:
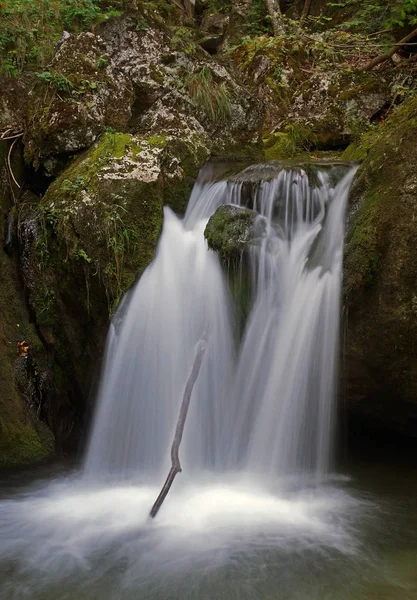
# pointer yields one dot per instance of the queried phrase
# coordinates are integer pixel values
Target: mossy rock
(325, 105)
(380, 275)
(104, 213)
(73, 102)
(91, 237)
(231, 229)
(279, 146)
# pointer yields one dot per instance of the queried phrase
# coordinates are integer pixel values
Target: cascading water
(251, 517)
(272, 412)
(151, 349)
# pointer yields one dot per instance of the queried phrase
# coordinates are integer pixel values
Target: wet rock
(381, 274)
(231, 229)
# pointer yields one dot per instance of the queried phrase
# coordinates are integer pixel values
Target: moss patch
(230, 229)
(279, 146)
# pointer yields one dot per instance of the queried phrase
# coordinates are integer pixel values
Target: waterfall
(266, 404)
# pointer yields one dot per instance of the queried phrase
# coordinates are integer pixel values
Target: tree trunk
(387, 55)
(275, 13)
(306, 10)
(187, 6)
(175, 459)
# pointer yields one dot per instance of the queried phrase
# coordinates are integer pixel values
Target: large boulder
(88, 239)
(381, 275)
(133, 74)
(311, 94)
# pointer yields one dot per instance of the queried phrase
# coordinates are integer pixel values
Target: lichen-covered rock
(75, 99)
(381, 275)
(14, 93)
(135, 75)
(231, 229)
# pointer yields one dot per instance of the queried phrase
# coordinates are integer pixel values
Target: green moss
(229, 230)
(20, 445)
(157, 141)
(386, 154)
(355, 152)
(279, 146)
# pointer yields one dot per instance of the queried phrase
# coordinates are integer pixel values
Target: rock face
(133, 76)
(381, 276)
(26, 381)
(94, 231)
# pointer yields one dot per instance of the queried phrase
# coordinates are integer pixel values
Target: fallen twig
(387, 55)
(11, 137)
(175, 459)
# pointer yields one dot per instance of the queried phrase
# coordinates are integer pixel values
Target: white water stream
(256, 488)
(269, 407)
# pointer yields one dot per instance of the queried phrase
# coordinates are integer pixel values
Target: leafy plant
(82, 255)
(218, 6)
(69, 185)
(259, 21)
(403, 13)
(60, 81)
(102, 62)
(183, 39)
(371, 15)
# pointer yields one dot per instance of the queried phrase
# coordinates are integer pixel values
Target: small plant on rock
(212, 97)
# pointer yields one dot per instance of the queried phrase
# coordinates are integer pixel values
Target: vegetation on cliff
(25, 380)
